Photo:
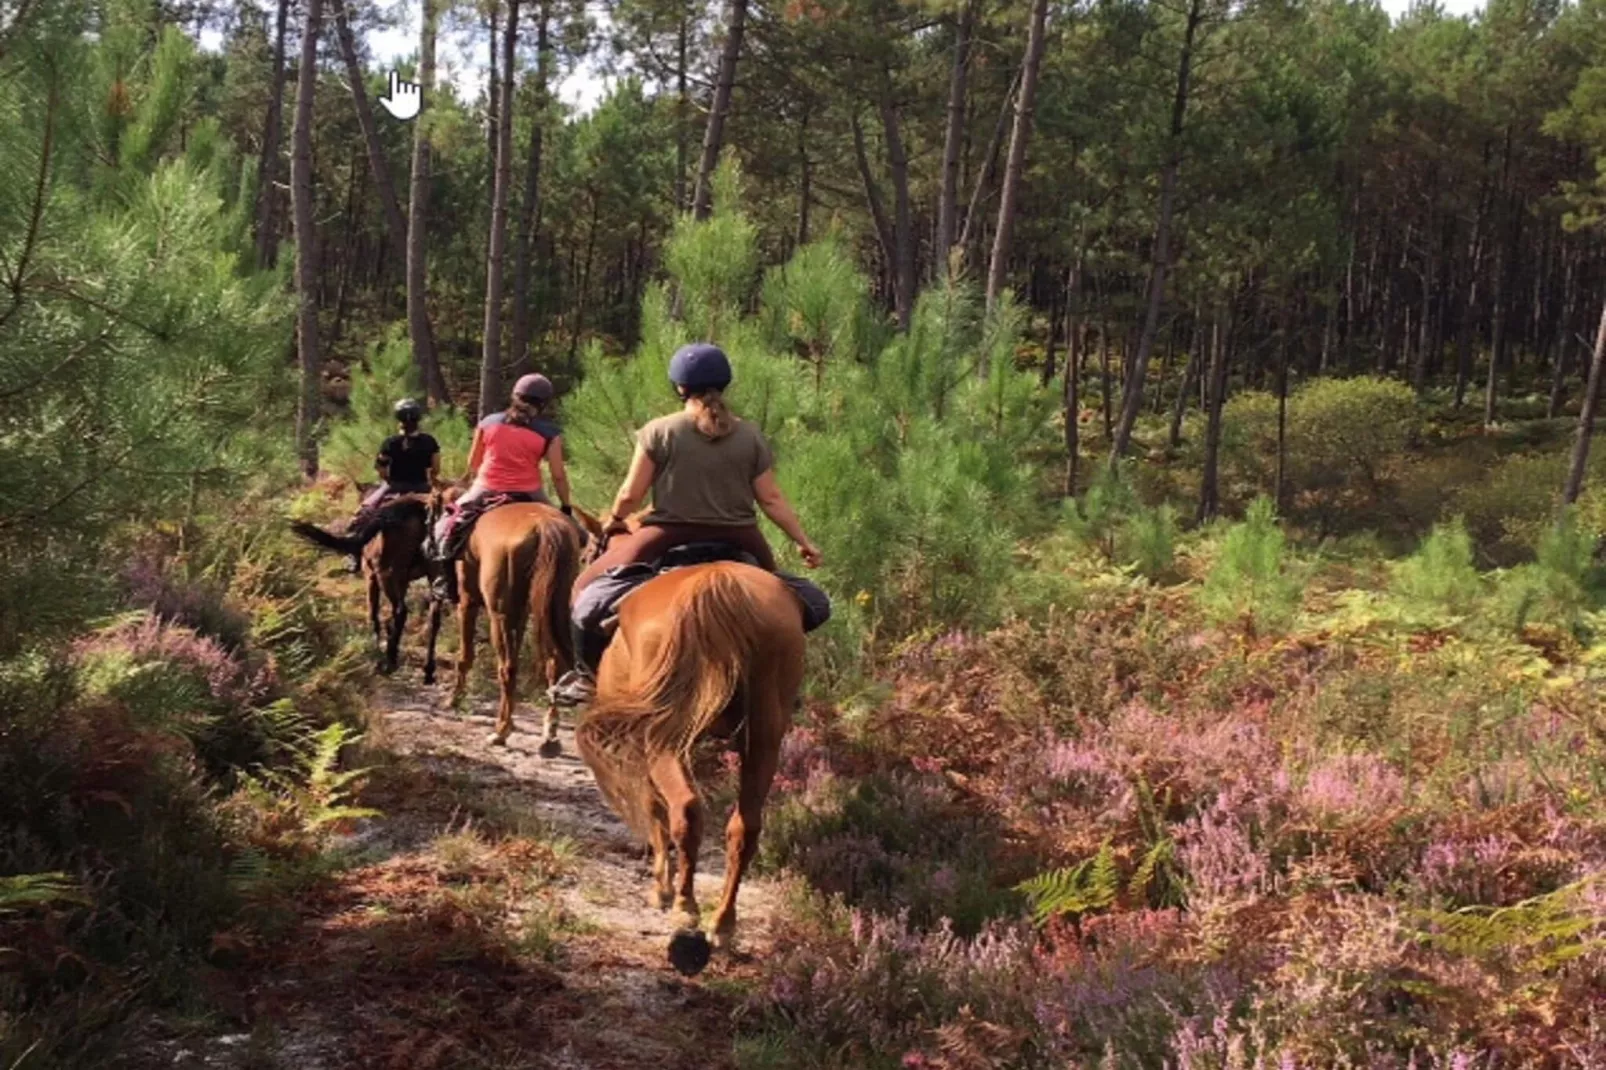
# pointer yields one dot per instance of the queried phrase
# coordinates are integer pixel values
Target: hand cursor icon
(404, 98)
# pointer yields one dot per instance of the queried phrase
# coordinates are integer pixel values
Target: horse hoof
(689, 952)
(551, 748)
(384, 668)
(724, 940)
(429, 679)
(497, 739)
(660, 900)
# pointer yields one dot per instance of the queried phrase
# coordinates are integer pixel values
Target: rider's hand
(810, 553)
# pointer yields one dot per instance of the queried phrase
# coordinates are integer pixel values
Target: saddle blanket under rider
(601, 598)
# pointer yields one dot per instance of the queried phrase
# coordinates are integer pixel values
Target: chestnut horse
(391, 561)
(520, 561)
(707, 650)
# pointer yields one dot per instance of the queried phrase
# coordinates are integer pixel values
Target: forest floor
(493, 915)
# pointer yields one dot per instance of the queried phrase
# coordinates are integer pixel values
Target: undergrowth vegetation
(1086, 786)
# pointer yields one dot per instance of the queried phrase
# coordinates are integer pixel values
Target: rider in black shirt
(408, 463)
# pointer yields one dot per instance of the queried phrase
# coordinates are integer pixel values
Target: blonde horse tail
(557, 562)
(677, 696)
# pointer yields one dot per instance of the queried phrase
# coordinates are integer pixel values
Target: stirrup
(574, 689)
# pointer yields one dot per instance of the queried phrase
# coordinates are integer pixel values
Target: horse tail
(676, 697)
(325, 540)
(557, 563)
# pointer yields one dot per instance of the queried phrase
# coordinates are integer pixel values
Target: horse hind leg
(663, 889)
(468, 621)
(433, 635)
(760, 759)
(505, 641)
(375, 597)
(551, 746)
(398, 627)
(685, 813)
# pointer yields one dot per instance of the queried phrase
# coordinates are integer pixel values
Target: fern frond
(39, 889)
(1091, 884)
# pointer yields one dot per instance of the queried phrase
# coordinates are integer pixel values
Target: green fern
(1091, 884)
(26, 890)
(1536, 935)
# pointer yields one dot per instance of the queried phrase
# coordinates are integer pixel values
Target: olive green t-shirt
(698, 480)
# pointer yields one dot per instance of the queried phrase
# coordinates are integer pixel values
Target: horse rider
(408, 462)
(709, 472)
(504, 464)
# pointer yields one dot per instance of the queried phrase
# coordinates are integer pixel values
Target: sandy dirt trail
(421, 956)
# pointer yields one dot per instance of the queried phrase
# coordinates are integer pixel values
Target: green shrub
(386, 376)
(1249, 582)
(1508, 507)
(1149, 541)
(1441, 575)
(1341, 437)
(904, 462)
(1560, 584)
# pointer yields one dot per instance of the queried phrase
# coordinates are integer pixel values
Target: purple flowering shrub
(1363, 849)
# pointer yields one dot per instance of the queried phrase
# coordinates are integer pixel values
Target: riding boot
(579, 685)
(445, 586)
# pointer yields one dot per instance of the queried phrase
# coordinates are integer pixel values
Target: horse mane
(677, 696)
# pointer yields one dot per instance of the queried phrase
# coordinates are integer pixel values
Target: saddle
(609, 590)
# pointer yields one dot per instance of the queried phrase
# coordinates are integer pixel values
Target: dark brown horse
(520, 561)
(391, 561)
(709, 650)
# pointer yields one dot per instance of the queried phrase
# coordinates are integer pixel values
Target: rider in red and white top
(504, 464)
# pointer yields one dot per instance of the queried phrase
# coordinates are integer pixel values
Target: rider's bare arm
(476, 454)
(560, 475)
(638, 481)
(773, 501)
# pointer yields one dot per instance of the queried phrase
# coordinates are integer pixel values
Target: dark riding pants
(652, 541)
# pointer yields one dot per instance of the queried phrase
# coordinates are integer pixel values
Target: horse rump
(715, 627)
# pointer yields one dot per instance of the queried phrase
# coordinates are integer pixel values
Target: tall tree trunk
(1586, 418)
(272, 134)
(878, 212)
(1056, 310)
(418, 325)
(496, 247)
(682, 108)
(969, 231)
(714, 133)
(1564, 347)
(529, 207)
(1189, 374)
(805, 195)
(953, 139)
(310, 407)
(493, 86)
(1018, 138)
(1210, 482)
(1073, 377)
(1132, 398)
(395, 222)
(1491, 390)
(1280, 482)
(584, 287)
(1106, 386)
(903, 237)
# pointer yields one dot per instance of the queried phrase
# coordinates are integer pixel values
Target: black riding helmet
(700, 366)
(408, 411)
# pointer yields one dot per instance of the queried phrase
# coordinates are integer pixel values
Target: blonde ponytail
(711, 416)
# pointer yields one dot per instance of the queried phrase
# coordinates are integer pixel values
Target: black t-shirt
(409, 457)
